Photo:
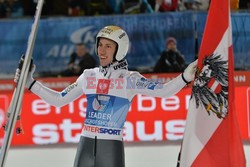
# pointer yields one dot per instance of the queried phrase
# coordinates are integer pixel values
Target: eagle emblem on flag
(210, 87)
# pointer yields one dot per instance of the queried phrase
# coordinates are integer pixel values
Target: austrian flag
(212, 136)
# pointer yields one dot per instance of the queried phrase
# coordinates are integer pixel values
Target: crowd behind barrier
(24, 8)
(148, 32)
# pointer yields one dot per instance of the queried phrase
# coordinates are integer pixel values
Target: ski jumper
(109, 92)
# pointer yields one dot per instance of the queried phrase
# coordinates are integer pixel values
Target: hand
(30, 78)
(189, 72)
(18, 70)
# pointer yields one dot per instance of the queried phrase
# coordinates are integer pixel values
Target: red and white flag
(212, 137)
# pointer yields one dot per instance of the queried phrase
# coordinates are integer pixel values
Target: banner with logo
(56, 38)
(240, 23)
(149, 118)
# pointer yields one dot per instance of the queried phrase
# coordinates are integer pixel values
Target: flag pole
(16, 101)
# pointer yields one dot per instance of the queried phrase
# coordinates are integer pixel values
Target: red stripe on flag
(216, 25)
(248, 111)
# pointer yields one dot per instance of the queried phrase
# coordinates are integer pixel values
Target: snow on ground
(137, 155)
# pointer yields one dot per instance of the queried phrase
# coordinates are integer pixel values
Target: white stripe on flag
(198, 132)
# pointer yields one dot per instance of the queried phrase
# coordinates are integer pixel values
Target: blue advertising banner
(56, 38)
(147, 32)
(241, 37)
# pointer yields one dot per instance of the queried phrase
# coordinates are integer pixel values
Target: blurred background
(67, 30)
(148, 23)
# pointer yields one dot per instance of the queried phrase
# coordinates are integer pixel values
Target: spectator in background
(234, 4)
(3, 9)
(146, 7)
(15, 8)
(171, 59)
(137, 6)
(79, 61)
(166, 5)
(116, 6)
(202, 5)
(96, 7)
(30, 7)
(188, 4)
(74, 8)
(244, 4)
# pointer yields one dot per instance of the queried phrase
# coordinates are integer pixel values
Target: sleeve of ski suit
(138, 84)
(62, 98)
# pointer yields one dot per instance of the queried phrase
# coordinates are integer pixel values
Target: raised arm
(53, 97)
(138, 84)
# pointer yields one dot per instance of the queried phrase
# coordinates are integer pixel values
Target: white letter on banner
(156, 135)
(170, 104)
(45, 134)
(67, 127)
(175, 129)
(40, 107)
(141, 98)
(54, 51)
(67, 50)
(82, 108)
(128, 131)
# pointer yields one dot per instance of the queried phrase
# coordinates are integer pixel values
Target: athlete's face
(106, 50)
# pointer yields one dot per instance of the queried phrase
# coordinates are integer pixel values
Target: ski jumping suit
(109, 92)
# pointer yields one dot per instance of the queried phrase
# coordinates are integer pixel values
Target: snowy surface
(137, 155)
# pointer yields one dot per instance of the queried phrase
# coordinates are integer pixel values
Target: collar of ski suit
(118, 65)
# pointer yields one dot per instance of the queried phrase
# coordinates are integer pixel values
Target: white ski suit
(109, 93)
